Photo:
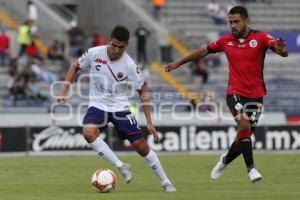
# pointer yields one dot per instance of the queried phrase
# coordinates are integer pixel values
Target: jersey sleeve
(216, 46)
(85, 60)
(135, 76)
(268, 40)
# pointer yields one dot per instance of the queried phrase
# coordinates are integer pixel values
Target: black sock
(246, 149)
(232, 154)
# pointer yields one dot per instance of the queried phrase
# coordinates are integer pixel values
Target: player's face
(238, 25)
(117, 48)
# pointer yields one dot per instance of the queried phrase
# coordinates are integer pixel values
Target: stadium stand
(190, 24)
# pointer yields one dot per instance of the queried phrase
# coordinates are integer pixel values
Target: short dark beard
(243, 33)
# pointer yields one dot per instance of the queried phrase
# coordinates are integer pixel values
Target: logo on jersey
(97, 67)
(238, 106)
(253, 43)
(100, 61)
(120, 75)
(229, 43)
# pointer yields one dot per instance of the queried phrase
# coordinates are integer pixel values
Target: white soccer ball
(104, 180)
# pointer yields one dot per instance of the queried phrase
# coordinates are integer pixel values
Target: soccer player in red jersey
(245, 50)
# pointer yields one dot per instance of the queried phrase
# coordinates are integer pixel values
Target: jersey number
(132, 120)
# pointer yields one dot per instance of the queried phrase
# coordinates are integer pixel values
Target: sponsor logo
(103, 89)
(120, 75)
(100, 61)
(229, 44)
(56, 138)
(282, 140)
(192, 138)
(253, 43)
(189, 139)
(238, 106)
(97, 67)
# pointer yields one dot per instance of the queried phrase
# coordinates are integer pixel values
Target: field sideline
(68, 178)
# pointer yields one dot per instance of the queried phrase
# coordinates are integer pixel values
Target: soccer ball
(104, 180)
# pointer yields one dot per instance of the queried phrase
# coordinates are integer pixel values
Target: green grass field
(68, 178)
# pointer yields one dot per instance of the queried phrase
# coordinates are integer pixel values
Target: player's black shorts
(251, 106)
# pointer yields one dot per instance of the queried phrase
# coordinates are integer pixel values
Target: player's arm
(280, 47)
(144, 96)
(200, 53)
(68, 80)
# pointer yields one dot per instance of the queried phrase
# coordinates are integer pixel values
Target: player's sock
(153, 162)
(105, 152)
(232, 154)
(246, 149)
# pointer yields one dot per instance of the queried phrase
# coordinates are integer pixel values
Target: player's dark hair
(239, 10)
(120, 33)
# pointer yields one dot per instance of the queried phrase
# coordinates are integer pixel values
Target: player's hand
(280, 47)
(153, 132)
(62, 98)
(171, 66)
(280, 43)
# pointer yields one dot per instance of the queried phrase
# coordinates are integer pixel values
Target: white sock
(153, 162)
(105, 152)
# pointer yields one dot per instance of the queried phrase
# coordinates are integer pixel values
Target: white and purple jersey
(109, 79)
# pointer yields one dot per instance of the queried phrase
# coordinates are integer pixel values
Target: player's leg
(152, 160)
(235, 106)
(94, 119)
(242, 143)
(253, 109)
(128, 128)
(245, 146)
(246, 112)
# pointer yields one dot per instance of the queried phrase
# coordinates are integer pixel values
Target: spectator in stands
(32, 11)
(157, 6)
(141, 34)
(32, 51)
(24, 38)
(40, 73)
(32, 17)
(4, 48)
(56, 51)
(34, 92)
(17, 82)
(212, 61)
(76, 38)
(98, 39)
(199, 68)
(216, 12)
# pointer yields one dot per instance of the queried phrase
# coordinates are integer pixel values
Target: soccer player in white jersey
(109, 68)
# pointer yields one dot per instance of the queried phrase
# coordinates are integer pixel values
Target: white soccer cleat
(254, 175)
(169, 187)
(218, 169)
(125, 170)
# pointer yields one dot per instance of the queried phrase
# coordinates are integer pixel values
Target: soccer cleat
(125, 170)
(254, 175)
(218, 169)
(169, 187)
